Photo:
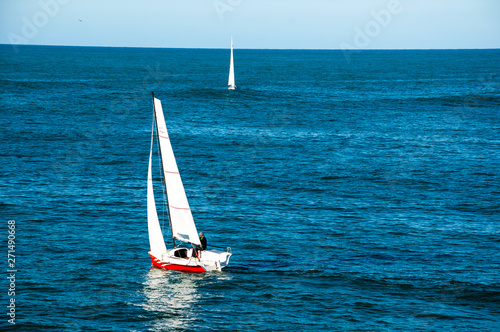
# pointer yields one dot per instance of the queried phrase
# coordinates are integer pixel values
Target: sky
(254, 24)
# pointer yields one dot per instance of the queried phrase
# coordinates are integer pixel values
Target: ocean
(358, 191)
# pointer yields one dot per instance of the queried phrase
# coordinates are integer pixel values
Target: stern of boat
(217, 259)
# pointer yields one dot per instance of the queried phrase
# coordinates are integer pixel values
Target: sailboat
(231, 84)
(183, 229)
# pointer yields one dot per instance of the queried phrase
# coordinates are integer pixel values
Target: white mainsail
(231, 83)
(156, 240)
(181, 219)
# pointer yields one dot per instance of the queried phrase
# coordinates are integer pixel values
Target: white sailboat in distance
(231, 84)
(181, 257)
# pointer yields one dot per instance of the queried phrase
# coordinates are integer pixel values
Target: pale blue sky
(297, 24)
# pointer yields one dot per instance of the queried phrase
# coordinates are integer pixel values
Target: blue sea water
(357, 193)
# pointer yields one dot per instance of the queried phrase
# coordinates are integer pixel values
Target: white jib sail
(156, 240)
(231, 82)
(181, 219)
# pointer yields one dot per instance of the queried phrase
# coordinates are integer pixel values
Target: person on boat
(203, 241)
(201, 247)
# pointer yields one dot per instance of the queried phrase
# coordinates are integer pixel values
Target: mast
(165, 183)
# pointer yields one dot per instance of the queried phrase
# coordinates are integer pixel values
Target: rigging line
(162, 185)
(158, 153)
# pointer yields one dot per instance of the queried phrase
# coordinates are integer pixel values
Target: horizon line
(262, 49)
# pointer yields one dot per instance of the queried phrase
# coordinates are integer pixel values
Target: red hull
(156, 262)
